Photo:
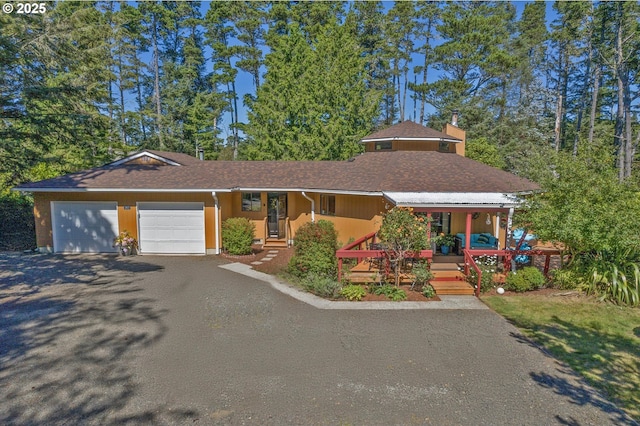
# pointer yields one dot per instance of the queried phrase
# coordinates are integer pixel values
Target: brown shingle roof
(409, 130)
(398, 171)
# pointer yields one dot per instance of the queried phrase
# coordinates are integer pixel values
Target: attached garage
(84, 227)
(171, 228)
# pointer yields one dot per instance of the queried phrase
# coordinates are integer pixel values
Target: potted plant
(445, 241)
(126, 243)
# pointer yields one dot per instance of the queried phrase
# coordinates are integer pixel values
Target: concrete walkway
(446, 302)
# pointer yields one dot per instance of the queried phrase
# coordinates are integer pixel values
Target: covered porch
(365, 260)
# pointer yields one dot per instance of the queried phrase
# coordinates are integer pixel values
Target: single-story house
(175, 203)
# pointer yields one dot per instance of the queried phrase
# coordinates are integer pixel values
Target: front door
(277, 213)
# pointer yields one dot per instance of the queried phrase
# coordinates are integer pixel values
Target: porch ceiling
(453, 199)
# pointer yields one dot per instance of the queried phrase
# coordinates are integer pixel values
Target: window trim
(326, 204)
(383, 146)
(252, 201)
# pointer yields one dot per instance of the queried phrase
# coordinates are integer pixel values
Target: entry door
(277, 213)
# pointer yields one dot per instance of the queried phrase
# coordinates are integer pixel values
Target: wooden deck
(448, 277)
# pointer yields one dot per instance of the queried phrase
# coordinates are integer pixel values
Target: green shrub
(612, 275)
(528, 278)
(237, 235)
(428, 291)
(390, 291)
(566, 279)
(422, 273)
(315, 246)
(321, 285)
(353, 292)
(17, 225)
(616, 283)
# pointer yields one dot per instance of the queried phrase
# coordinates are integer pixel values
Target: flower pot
(444, 249)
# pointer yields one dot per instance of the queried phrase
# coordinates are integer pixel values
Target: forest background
(551, 98)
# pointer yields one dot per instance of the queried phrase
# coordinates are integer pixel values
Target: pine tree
(313, 103)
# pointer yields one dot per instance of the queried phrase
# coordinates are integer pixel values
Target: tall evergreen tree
(313, 103)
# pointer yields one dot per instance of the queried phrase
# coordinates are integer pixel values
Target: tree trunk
(619, 141)
(629, 146)
(156, 84)
(123, 133)
(558, 123)
(594, 103)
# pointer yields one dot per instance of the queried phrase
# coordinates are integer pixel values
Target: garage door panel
(171, 228)
(84, 227)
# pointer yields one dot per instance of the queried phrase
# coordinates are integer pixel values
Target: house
(175, 204)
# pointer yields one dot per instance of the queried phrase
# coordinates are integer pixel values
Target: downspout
(313, 206)
(216, 221)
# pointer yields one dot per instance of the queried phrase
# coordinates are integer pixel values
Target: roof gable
(155, 158)
(146, 158)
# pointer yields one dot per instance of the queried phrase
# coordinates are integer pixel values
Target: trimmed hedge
(315, 246)
(526, 279)
(17, 224)
(237, 235)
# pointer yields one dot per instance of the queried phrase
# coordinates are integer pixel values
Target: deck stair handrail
(266, 229)
(469, 261)
(287, 227)
(506, 255)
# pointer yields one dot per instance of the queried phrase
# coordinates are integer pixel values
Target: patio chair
(376, 261)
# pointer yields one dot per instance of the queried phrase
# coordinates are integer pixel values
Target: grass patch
(599, 341)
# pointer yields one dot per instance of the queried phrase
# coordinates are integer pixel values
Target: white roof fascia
(157, 190)
(316, 190)
(397, 138)
(120, 190)
(142, 154)
(453, 199)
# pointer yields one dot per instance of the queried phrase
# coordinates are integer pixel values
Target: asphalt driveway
(178, 340)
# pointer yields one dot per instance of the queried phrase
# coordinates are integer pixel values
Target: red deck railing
(507, 256)
(351, 252)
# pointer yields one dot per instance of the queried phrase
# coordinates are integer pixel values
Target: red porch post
(429, 227)
(467, 232)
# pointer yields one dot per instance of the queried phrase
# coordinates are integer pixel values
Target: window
(251, 202)
(328, 205)
(383, 146)
(441, 222)
(443, 146)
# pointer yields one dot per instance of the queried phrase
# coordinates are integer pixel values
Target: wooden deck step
(274, 243)
(448, 276)
(446, 267)
(451, 288)
(447, 259)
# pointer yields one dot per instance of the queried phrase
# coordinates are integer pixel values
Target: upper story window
(328, 204)
(383, 146)
(443, 146)
(251, 202)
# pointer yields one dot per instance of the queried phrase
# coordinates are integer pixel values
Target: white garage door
(171, 228)
(84, 227)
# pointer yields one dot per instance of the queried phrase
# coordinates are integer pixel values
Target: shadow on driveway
(69, 326)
